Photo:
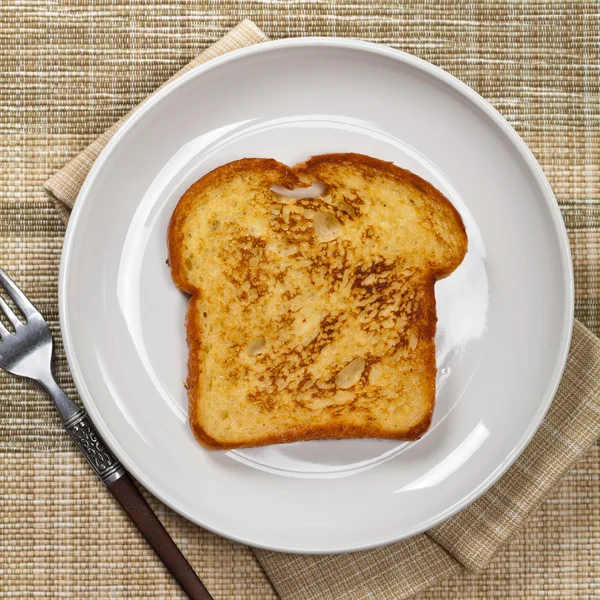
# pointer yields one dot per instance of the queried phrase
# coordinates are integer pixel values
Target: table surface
(69, 70)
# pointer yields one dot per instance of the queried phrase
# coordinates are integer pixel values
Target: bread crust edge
(291, 178)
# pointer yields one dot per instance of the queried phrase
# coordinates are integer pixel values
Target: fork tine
(10, 315)
(3, 331)
(18, 297)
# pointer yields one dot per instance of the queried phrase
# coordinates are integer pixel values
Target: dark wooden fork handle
(133, 503)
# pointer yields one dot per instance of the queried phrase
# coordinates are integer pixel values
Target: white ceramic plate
(505, 315)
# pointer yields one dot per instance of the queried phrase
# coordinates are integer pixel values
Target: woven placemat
(541, 72)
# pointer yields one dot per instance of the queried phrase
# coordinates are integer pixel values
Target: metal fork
(27, 353)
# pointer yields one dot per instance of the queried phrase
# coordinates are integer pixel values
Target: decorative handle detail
(88, 440)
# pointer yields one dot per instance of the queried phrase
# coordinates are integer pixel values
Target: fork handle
(109, 469)
(134, 504)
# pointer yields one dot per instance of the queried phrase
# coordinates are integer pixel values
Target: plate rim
(444, 77)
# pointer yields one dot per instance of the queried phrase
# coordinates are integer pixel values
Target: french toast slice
(311, 318)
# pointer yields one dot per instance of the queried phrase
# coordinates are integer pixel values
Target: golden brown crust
(194, 341)
(279, 174)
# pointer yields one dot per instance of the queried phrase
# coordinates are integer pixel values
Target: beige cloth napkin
(469, 539)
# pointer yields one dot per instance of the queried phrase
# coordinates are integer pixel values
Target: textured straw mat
(69, 72)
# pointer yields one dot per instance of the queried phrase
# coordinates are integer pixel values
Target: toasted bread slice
(311, 318)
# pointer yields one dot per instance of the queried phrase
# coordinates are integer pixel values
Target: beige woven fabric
(69, 72)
